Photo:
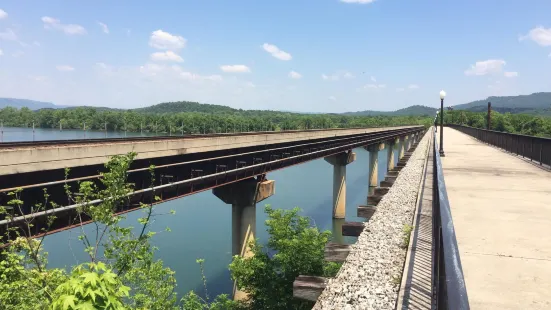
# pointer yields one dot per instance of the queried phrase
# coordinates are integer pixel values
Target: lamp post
(442, 95)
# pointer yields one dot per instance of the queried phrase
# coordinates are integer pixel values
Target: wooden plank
(387, 183)
(335, 252)
(366, 211)
(309, 287)
(352, 229)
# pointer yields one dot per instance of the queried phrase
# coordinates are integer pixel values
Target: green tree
(294, 247)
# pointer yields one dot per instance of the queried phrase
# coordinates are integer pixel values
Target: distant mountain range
(31, 104)
(537, 103)
(412, 110)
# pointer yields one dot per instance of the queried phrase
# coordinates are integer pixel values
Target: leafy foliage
(506, 122)
(122, 272)
(294, 248)
(193, 118)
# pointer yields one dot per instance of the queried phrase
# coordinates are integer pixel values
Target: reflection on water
(201, 227)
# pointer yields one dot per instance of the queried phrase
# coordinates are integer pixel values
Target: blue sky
(322, 56)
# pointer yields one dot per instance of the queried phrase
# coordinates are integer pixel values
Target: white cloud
(166, 41)
(486, 67)
(358, 1)
(174, 71)
(235, 68)
(166, 56)
(337, 76)
(250, 84)
(373, 79)
(8, 35)
(348, 75)
(400, 89)
(36, 43)
(511, 74)
(374, 86)
(276, 52)
(104, 27)
(413, 86)
(295, 75)
(330, 77)
(1, 53)
(540, 35)
(65, 68)
(55, 24)
(196, 77)
(3, 14)
(332, 98)
(18, 54)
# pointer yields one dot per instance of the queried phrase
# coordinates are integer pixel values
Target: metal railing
(449, 290)
(534, 148)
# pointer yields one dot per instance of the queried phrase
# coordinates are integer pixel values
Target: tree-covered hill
(414, 110)
(512, 104)
(186, 106)
(25, 103)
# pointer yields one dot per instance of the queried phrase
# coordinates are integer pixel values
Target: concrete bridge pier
(339, 162)
(243, 196)
(391, 144)
(374, 163)
(403, 142)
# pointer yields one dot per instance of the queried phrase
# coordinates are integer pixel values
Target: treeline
(513, 123)
(192, 122)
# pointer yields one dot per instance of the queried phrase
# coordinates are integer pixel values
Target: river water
(201, 227)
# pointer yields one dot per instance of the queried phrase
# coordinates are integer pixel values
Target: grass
(406, 234)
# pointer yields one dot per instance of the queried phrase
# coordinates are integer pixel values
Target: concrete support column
(243, 196)
(339, 162)
(390, 155)
(402, 147)
(374, 163)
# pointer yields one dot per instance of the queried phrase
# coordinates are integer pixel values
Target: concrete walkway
(501, 208)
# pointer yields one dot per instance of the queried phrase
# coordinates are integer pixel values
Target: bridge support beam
(403, 141)
(374, 163)
(390, 155)
(339, 162)
(243, 196)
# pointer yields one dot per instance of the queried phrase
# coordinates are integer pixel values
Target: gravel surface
(370, 277)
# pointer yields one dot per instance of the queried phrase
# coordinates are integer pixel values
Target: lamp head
(442, 94)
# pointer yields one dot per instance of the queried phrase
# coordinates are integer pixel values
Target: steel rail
(449, 289)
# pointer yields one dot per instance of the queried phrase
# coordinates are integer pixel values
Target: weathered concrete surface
(339, 162)
(53, 157)
(243, 196)
(501, 208)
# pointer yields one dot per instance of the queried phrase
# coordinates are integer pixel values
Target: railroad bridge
(463, 230)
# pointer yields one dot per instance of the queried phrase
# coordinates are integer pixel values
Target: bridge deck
(501, 208)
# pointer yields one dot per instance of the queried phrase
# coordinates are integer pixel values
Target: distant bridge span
(184, 165)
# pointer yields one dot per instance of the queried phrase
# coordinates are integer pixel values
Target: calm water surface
(201, 227)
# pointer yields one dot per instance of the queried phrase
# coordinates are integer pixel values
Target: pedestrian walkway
(501, 209)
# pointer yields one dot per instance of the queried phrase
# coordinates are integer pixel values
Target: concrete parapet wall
(28, 159)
